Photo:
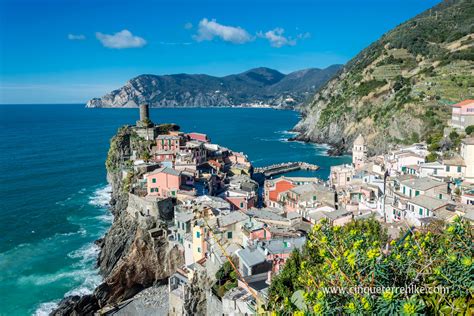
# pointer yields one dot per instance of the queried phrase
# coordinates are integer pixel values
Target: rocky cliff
(256, 86)
(398, 89)
(131, 259)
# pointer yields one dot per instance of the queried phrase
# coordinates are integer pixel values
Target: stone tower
(359, 150)
(144, 116)
(144, 113)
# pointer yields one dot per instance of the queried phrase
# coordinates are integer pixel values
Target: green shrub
(356, 256)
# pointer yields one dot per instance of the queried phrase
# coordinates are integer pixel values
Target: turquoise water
(53, 193)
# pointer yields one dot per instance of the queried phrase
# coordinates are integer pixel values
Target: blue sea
(54, 195)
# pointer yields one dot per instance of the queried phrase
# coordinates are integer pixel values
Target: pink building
(160, 156)
(463, 114)
(163, 182)
(239, 199)
(168, 143)
(199, 136)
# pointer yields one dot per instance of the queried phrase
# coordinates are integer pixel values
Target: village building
(423, 206)
(308, 195)
(467, 154)
(341, 175)
(462, 114)
(359, 151)
(163, 182)
(199, 137)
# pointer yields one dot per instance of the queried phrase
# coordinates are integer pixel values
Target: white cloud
(75, 37)
(188, 26)
(119, 40)
(277, 38)
(209, 29)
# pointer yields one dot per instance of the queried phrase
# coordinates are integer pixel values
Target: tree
(354, 270)
(432, 157)
(469, 129)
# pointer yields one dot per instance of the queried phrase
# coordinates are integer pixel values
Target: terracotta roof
(464, 103)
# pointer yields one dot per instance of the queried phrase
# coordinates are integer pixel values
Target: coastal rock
(131, 259)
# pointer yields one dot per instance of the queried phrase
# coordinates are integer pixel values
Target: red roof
(280, 186)
(464, 103)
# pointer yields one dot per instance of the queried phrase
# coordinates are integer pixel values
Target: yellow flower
(367, 306)
(317, 227)
(351, 259)
(351, 307)
(320, 295)
(298, 313)
(336, 228)
(398, 257)
(322, 252)
(318, 309)
(466, 261)
(387, 295)
(373, 253)
(409, 309)
(452, 257)
(393, 243)
(353, 232)
(357, 244)
(420, 253)
(451, 229)
(324, 239)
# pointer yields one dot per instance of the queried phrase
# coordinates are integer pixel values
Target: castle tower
(359, 150)
(144, 113)
(144, 116)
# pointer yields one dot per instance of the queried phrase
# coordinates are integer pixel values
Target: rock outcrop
(256, 86)
(131, 258)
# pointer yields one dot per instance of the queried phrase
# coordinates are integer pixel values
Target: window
(404, 190)
(198, 234)
(151, 190)
(421, 211)
(447, 168)
(241, 204)
(314, 197)
(427, 213)
(229, 235)
(285, 244)
(459, 168)
(417, 193)
(199, 249)
(153, 180)
(440, 196)
(410, 192)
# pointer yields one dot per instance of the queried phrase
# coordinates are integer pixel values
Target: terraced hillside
(400, 87)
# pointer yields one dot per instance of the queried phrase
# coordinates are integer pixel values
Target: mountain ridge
(261, 85)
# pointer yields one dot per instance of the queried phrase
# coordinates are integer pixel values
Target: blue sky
(67, 51)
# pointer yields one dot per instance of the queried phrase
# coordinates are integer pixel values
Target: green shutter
(421, 211)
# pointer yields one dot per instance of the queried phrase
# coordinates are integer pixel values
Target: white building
(359, 150)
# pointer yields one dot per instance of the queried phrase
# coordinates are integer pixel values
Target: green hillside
(398, 89)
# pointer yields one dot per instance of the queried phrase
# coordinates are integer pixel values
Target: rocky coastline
(131, 259)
